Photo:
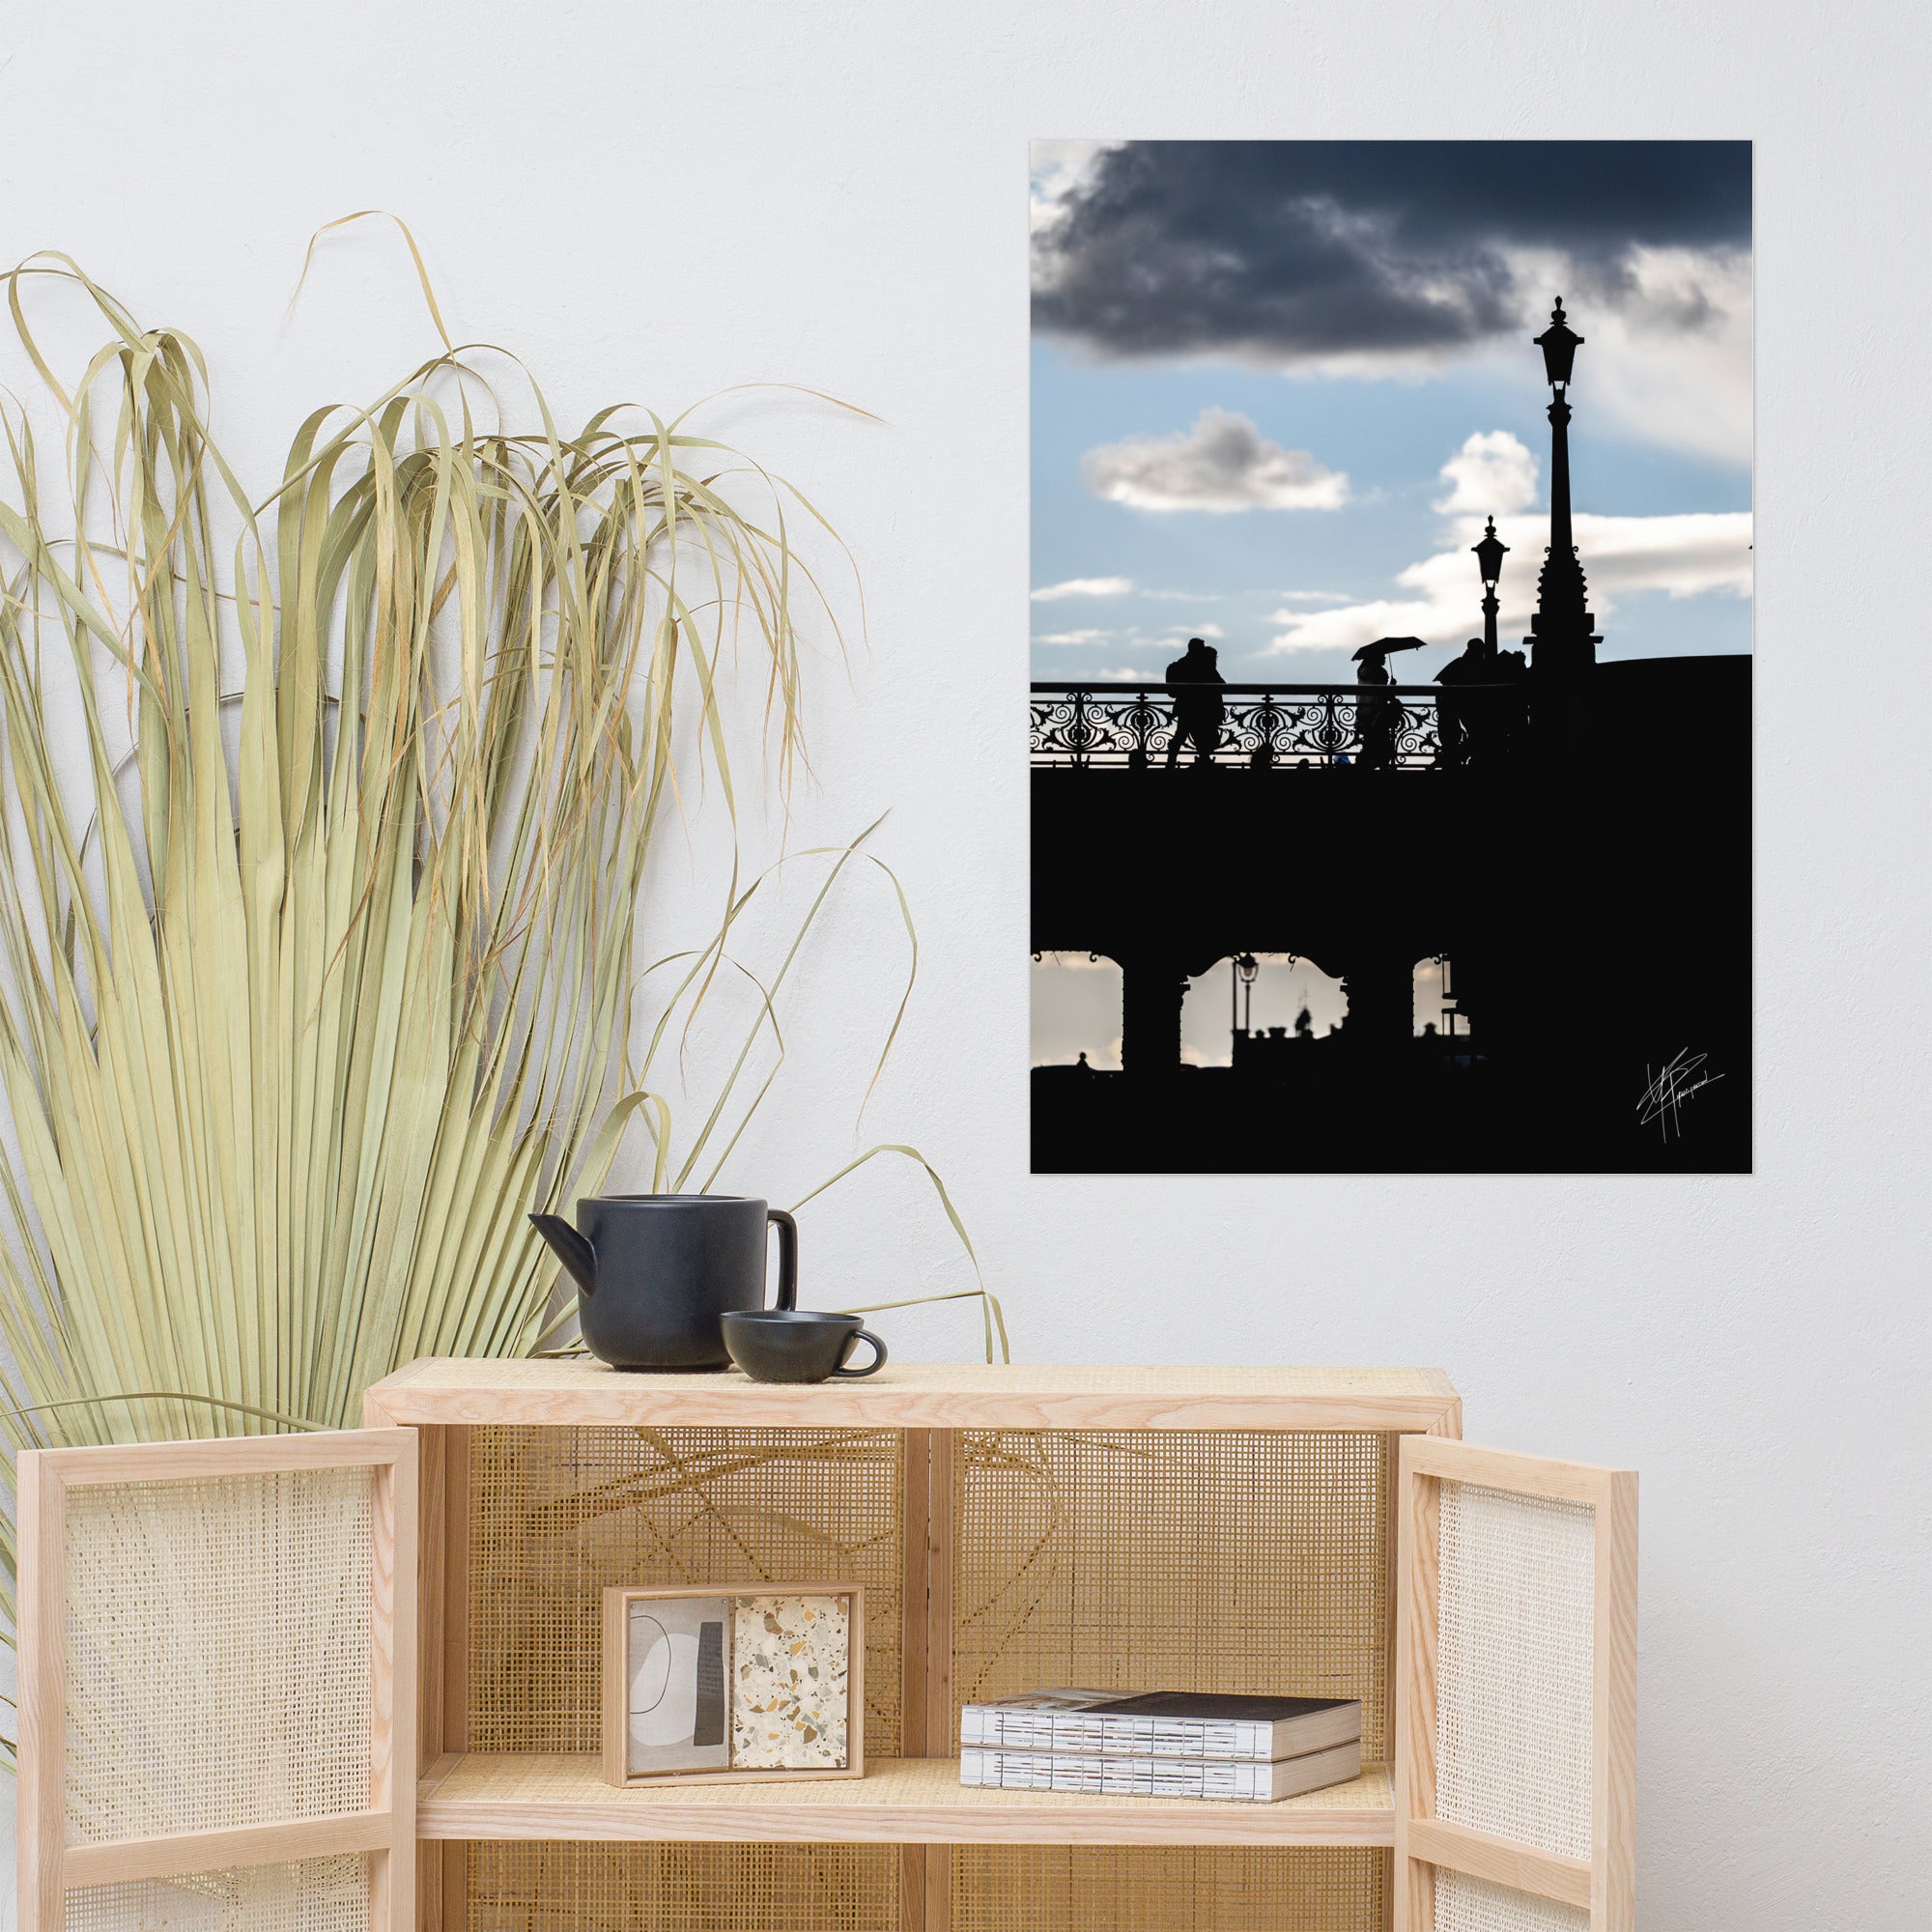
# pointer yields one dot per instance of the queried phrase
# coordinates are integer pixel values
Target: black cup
(790, 1344)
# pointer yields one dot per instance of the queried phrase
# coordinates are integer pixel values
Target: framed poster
(751, 1684)
(1391, 720)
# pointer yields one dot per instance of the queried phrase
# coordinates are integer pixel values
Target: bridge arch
(1436, 1005)
(1074, 1009)
(1220, 1003)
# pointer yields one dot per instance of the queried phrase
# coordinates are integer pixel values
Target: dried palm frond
(318, 971)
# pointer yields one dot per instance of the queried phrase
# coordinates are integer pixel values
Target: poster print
(677, 1698)
(1390, 722)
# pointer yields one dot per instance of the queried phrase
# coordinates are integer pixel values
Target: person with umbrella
(1378, 718)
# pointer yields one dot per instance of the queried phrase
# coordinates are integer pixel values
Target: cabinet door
(1516, 1693)
(217, 1685)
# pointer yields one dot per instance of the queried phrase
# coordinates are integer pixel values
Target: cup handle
(787, 1257)
(872, 1367)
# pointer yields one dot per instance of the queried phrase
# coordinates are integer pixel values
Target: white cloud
(1073, 638)
(1675, 363)
(1351, 625)
(1684, 556)
(1492, 474)
(1187, 596)
(1222, 463)
(1691, 555)
(1126, 675)
(1668, 361)
(1317, 596)
(1084, 586)
(1172, 645)
(1666, 357)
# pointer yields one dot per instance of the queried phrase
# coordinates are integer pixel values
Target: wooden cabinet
(1318, 1530)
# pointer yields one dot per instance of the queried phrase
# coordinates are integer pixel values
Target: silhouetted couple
(1195, 682)
(1478, 719)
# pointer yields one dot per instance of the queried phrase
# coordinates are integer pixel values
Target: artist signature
(1679, 1079)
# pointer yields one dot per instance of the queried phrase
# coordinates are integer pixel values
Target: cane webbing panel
(1178, 1560)
(559, 1514)
(531, 1886)
(1464, 1904)
(217, 1652)
(1140, 1888)
(1514, 1666)
(312, 1896)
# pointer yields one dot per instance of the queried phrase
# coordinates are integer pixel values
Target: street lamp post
(1563, 637)
(1489, 554)
(1247, 968)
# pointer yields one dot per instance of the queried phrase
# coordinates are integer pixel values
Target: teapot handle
(787, 1257)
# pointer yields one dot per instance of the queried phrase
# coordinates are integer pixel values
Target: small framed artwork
(753, 1684)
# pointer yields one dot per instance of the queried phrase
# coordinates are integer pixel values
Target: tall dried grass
(319, 971)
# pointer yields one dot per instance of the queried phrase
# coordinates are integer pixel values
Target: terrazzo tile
(790, 1683)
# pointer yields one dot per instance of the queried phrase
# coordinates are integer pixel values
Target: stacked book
(1163, 1744)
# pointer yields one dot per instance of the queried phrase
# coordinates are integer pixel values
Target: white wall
(657, 202)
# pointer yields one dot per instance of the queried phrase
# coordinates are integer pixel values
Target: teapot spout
(570, 1248)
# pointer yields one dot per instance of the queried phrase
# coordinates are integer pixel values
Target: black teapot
(655, 1272)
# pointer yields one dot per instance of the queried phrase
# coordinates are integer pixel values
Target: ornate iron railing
(1272, 726)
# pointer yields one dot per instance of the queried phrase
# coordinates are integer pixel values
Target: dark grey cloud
(1292, 249)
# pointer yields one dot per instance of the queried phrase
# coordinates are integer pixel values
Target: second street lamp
(1489, 554)
(1247, 969)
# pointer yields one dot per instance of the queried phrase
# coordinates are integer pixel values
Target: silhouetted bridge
(1583, 856)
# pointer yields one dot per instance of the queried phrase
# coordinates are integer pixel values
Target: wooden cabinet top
(917, 1395)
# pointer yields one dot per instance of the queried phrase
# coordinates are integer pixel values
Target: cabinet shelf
(583, 1393)
(898, 1802)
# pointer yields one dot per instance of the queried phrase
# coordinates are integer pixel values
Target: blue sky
(1357, 445)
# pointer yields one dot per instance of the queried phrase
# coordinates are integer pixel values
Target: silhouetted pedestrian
(1460, 719)
(1198, 711)
(1376, 717)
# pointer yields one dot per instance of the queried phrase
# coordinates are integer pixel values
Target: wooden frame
(385, 1828)
(614, 1725)
(1604, 1885)
(442, 1728)
(925, 1612)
